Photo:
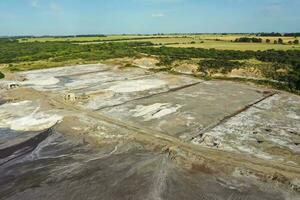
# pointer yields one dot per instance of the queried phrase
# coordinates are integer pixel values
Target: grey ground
(136, 134)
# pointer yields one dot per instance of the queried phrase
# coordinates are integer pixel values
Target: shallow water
(7, 134)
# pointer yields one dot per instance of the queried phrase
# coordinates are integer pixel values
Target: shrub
(165, 61)
(1, 75)
(218, 65)
(245, 39)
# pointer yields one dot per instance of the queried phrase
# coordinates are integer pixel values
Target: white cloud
(35, 3)
(55, 8)
(163, 1)
(158, 15)
(273, 8)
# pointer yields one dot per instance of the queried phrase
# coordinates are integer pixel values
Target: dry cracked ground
(106, 132)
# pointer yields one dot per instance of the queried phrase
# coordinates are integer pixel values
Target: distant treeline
(106, 40)
(58, 36)
(273, 34)
(246, 39)
(259, 40)
(263, 34)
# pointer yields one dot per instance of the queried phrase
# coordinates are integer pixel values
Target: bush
(1, 75)
(219, 65)
(165, 61)
(14, 52)
(245, 39)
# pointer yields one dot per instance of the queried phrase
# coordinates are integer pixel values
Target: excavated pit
(143, 135)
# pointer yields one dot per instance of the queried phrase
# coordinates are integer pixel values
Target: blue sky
(64, 17)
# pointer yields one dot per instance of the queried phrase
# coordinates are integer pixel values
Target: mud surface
(60, 168)
(130, 133)
(186, 112)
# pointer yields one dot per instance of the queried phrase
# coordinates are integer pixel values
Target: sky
(69, 17)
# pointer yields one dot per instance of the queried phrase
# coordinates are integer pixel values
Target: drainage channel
(152, 95)
(226, 118)
(208, 153)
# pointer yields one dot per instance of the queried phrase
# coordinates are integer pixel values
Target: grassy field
(224, 45)
(223, 42)
(155, 40)
(44, 64)
(232, 37)
(85, 39)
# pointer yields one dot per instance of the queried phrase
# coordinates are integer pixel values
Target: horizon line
(171, 33)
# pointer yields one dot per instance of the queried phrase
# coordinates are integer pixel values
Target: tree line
(246, 39)
(260, 40)
(273, 34)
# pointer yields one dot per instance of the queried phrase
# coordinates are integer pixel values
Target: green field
(237, 46)
(223, 42)
(85, 38)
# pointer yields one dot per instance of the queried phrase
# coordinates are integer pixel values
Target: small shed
(70, 97)
(12, 85)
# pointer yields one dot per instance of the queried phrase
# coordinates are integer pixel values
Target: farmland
(217, 41)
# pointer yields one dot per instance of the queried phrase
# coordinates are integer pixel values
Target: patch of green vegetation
(1, 75)
(288, 62)
(44, 64)
(188, 53)
(15, 52)
(246, 39)
(218, 65)
(165, 61)
(35, 55)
